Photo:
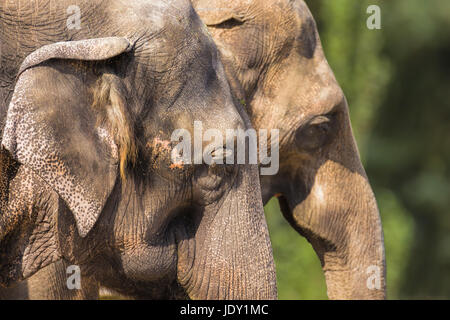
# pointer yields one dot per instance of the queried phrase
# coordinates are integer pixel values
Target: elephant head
(275, 63)
(92, 179)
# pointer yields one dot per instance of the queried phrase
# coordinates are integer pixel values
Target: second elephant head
(275, 63)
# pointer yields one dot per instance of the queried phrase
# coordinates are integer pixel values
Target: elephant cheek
(145, 262)
(340, 218)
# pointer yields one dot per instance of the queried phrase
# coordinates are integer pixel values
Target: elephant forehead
(166, 28)
(306, 32)
(161, 15)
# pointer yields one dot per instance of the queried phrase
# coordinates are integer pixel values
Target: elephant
(276, 66)
(87, 173)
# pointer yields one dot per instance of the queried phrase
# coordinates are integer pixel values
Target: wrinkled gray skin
(275, 64)
(148, 229)
(274, 60)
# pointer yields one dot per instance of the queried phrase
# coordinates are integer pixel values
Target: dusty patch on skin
(107, 138)
(161, 146)
(319, 194)
(177, 165)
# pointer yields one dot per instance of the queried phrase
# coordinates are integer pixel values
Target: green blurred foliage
(299, 274)
(397, 83)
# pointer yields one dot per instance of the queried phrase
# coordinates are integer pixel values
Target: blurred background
(397, 82)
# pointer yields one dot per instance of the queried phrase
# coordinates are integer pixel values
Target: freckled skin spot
(161, 145)
(178, 165)
(320, 196)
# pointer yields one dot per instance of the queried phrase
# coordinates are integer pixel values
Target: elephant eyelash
(316, 132)
(228, 24)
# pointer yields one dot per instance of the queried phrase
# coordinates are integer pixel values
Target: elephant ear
(53, 128)
(216, 12)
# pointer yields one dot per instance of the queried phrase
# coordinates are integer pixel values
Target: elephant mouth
(288, 214)
(284, 207)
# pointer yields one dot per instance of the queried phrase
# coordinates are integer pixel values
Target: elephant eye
(316, 133)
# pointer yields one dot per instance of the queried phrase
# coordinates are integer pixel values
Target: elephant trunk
(343, 225)
(337, 212)
(230, 255)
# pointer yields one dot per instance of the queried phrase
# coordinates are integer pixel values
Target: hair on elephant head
(89, 127)
(109, 99)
